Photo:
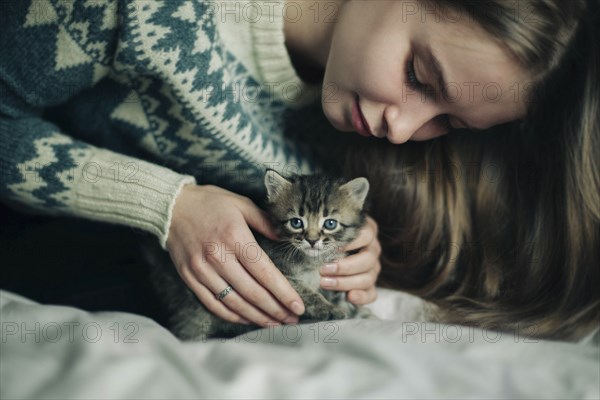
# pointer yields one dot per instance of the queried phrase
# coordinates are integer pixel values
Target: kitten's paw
(320, 315)
(338, 313)
(364, 313)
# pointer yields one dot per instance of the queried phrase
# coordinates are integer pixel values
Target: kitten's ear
(357, 189)
(275, 184)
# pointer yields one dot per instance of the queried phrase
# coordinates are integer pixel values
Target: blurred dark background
(69, 261)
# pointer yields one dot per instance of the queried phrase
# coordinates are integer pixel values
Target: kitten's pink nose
(312, 242)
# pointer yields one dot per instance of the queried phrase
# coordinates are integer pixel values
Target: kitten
(314, 217)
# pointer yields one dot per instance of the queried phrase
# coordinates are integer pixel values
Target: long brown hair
(501, 229)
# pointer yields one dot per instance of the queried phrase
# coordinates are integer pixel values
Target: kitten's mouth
(313, 252)
(325, 252)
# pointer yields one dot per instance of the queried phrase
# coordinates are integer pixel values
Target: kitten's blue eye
(330, 224)
(296, 223)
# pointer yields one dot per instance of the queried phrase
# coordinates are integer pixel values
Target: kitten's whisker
(280, 245)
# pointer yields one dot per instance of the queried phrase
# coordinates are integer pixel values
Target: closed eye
(411, 76)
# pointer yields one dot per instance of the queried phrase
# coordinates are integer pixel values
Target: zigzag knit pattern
(109, 107)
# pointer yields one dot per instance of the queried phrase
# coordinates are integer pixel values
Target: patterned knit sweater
(109, 107)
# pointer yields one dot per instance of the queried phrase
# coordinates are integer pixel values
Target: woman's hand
(358, 272)
(212, 247)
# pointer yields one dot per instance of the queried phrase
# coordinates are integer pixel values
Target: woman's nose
(401, 122)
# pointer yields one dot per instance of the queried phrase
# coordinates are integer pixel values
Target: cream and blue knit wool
(109, 107)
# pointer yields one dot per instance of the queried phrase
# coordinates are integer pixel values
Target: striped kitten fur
(314, 217)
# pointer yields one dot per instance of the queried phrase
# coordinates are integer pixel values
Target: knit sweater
(109, 107)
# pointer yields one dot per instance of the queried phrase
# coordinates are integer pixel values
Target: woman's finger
(234, 301)
(207, 275)
(358, 263)
(265, 271)
(257, 219)
(360, 297)
(345, 283)
(208, 299)
(247, 287)
(367, 234)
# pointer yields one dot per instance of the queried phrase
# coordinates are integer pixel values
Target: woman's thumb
(259, 220)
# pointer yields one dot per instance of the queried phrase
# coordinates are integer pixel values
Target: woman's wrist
(177, 202)
(177, 206)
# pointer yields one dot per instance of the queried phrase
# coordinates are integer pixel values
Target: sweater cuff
(124, 190)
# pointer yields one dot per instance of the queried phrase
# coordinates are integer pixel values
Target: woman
(377, 62)
(501, 228)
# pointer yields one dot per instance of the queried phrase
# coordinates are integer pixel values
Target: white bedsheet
(62, 352)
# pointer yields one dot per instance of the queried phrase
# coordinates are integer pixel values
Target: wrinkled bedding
(52, 351)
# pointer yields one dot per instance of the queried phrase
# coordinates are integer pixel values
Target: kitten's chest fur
(311, 278)
(297, 265)
(303, 272)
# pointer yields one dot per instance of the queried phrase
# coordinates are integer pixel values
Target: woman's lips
(358, 120)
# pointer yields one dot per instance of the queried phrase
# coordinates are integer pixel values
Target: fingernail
(297, 308)
(329, 282)
(272, 323)
(244, 321)
(329, 269)
(291, 320)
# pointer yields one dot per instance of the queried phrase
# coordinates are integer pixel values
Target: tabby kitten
(314, 217)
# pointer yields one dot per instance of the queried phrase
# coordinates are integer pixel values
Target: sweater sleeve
(42, 169)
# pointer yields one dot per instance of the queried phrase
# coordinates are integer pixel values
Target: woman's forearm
(52, 173)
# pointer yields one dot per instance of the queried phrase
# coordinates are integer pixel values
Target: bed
(50, 351)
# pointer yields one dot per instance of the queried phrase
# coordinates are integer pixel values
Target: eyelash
(445, 122)
(413, 82)
(411, 76)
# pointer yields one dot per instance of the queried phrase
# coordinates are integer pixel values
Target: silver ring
(224, 293)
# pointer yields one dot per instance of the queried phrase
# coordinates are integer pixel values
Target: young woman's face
(376, 45)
